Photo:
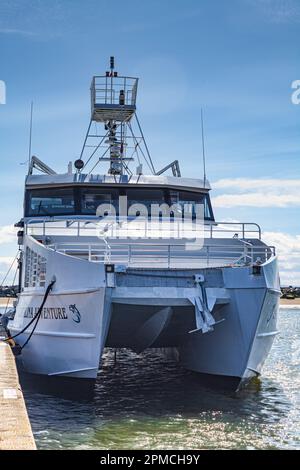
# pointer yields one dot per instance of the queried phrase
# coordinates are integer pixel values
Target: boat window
(188, 201)
(50, 202)
(85, 200)
(145, 196)
(92, 198)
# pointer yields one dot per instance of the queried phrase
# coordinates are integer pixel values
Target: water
(147, 403)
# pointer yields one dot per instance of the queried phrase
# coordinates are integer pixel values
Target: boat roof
(137, 180)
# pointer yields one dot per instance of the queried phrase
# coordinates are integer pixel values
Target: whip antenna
(203, 149)
(30, 134)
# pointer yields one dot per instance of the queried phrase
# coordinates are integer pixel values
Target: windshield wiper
(41, 207)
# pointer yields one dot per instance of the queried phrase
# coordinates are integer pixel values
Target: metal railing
(243, 229)
(106, 90)
(168, 255)
(84, 226)
(224, 244)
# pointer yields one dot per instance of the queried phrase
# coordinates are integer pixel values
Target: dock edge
(15, 428)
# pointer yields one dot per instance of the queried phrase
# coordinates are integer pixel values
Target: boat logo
(75, 312)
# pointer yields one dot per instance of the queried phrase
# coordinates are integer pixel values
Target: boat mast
(113, 105)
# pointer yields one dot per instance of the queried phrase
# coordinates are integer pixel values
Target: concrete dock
(15, 428)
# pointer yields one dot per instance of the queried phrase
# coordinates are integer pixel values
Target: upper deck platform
(113, 98)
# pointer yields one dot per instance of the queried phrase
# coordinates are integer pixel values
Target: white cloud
(248, 183)
(257, 192)
(256, 200)
(7, 234)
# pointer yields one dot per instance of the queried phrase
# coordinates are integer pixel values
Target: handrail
(142, 253)
(104, 91)
(242, 228)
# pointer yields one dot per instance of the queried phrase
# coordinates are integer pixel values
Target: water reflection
(146, 401)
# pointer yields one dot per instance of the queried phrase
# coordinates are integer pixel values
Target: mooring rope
(36, 317)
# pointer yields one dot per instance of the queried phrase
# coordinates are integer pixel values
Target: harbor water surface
(144, 402)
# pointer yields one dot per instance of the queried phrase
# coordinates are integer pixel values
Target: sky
(236, 59)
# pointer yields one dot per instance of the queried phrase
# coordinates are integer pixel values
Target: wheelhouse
(83, 200)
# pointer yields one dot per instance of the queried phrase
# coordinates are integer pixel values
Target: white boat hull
(89, 309)
(71, 332)
(69, 338)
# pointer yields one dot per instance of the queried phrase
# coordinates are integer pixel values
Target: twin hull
(90, 308)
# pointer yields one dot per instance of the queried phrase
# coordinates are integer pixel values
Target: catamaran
(119, 259)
